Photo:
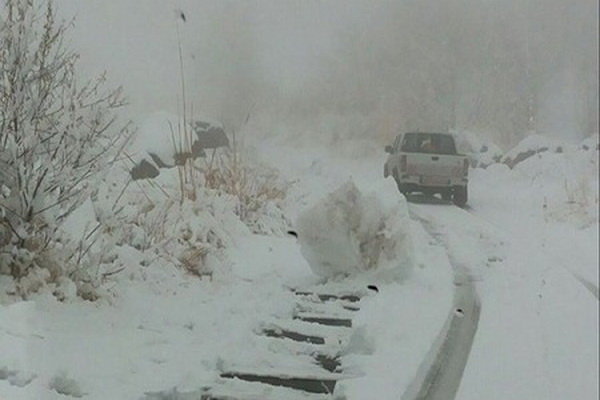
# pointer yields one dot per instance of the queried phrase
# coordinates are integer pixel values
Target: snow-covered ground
(165, 330)
(404, 319)
(538, 334)
(159, 328)
(529, 239)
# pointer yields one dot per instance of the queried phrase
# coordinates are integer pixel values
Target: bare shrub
(56, 137)
(252, 186)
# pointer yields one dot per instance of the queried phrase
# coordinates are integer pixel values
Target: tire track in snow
(440, 374)
(593, 289)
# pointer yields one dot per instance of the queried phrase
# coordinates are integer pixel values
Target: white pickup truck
(428, 163)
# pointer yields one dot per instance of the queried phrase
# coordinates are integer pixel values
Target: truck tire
(447, 195)
(400, 186)
(460, 196)
(428, 192)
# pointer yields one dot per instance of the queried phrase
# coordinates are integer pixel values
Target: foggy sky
(457, 64)
(278, 42)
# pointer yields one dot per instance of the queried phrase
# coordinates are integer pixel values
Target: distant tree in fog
(501, 68)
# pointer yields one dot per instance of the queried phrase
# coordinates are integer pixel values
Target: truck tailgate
(438, 165)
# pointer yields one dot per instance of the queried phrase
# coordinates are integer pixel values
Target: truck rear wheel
(402, 188)
(459, 196)
(396, 178)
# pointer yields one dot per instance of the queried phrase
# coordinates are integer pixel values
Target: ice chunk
(348, 232)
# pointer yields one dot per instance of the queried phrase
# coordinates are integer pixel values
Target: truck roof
(427, 133)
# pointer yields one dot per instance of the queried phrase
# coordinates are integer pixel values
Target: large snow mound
(349, 232)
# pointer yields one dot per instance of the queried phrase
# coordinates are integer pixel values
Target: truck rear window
(436, 143)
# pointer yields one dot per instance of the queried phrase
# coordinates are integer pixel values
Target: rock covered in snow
(531, 145)
(209, 135)
(160, 142)
(349, 232)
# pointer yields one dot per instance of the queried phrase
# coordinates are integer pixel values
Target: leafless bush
(56, 135)
(251, 185)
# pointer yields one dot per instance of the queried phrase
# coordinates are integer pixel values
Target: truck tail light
(466, 167)
(403, 163)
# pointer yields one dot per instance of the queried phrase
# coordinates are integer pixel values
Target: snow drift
(348, 232)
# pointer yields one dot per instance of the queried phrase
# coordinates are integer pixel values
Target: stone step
(324, 320)
(351, 297)
(296, 336)
(322, 385)
(309, 332)
(333, 309)
(237, 389)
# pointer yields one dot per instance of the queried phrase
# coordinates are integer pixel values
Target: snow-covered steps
(351, 297)
(335, 303)
(320, 319)
(268, 356)
(324, 384)
(296, 336)
(237, 389)
(297, 357)
(333, 309)
(266, 345)
(316, 333)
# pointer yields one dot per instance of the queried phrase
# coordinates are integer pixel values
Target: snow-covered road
(537, 318)
(524, 238)
(441, 372)
(445, 374)
(590, 286)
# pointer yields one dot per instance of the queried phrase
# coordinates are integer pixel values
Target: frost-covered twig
(57, 135)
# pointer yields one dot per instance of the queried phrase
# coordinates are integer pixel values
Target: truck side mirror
(389, 149)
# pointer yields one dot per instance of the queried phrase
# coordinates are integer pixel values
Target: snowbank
(481, 152)
(539, 313)
(554, 196)
(531, 145)
(348, 232)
